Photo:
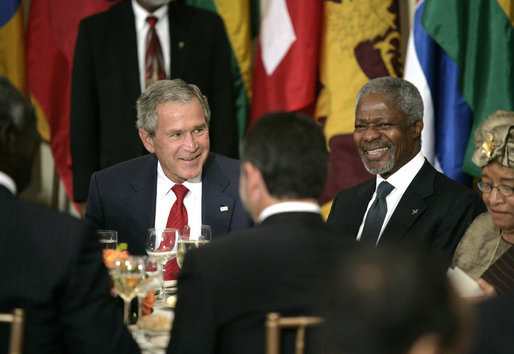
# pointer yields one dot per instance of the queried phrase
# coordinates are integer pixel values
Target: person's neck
(148, 7)
(508, 235)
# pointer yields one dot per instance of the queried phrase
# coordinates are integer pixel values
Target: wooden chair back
(275, 323)
(17, 321)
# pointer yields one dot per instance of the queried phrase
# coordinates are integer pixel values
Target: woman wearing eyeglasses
(491, 234)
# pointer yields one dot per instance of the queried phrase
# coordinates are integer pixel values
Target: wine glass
(108, 238)
(152, 281)
(160, 244)
(187, 242)
(127, 275)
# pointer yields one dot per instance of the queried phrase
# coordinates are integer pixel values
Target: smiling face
(181, 140)
(382, 136)
(500, 207)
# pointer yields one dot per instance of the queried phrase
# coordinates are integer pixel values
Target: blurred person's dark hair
(19, 138)
(292, 158)
(392, 301)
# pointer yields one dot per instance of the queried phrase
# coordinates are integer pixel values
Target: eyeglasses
(504, 190)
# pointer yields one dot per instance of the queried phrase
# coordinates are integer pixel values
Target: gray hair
(166, 91)
(405, 95)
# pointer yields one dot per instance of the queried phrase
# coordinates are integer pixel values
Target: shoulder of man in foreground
(69, 286)
(231, 276)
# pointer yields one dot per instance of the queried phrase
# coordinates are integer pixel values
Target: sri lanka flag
(460, 55)
(12, 53)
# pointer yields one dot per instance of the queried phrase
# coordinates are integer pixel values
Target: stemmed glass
(128, 274)
(108, 238)
(187, 242)
(152, 281)
(160, 244)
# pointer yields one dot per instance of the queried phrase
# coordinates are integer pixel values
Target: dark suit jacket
(52, 267)
(435, 211)
(122, 198)
(105, 85)
(494, 323)
(226, 288)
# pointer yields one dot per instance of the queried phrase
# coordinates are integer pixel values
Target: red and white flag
(286, 63)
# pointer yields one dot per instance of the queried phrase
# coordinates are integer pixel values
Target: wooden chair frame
(275, 323)
(17, 321)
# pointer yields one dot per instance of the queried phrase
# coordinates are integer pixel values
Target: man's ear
(417, 128)
(147, 140)
(254, 178)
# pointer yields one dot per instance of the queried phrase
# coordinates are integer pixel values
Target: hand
(488, 289)
(488, 292)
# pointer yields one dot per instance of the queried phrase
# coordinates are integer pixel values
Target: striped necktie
(154, 60)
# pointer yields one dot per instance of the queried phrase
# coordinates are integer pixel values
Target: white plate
(160, 341)
(170, 283)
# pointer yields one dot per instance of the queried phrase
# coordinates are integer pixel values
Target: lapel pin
(223, 208)
(181, 45)
(414, 211)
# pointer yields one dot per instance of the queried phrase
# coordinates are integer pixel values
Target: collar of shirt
(165, 198)
(162, 28)
(400, 180)
(8, 182)
(286, 207)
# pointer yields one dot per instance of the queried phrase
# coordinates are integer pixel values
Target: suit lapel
(411, 206)
(355, 212)
(217, 207)
(140, 204)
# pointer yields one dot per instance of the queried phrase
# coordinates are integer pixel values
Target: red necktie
(177, 219)
(154, 61)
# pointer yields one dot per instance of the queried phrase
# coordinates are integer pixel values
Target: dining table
(152, 340)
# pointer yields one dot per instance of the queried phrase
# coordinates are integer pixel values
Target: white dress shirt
(287, 207)
(400, 180)
(8, 182)
(163, 31)
(165, 198)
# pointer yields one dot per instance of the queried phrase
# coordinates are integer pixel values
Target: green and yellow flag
(240, 27)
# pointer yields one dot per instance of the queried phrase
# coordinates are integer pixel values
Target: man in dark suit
(108, 77)
(173, 122)
(51, 263)
(226, 288)
(423, 206)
